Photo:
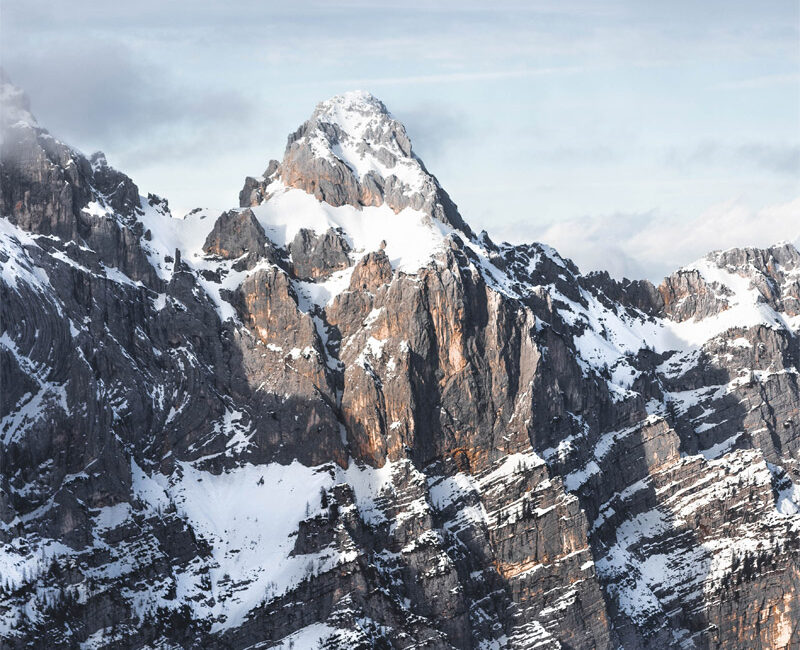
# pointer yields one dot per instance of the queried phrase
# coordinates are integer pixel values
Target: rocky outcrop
(640, 295)
(771, 273)
(118, 191)
(237, 235)
(318, 256)
(254, 191)
(372, 272)
(687, 295)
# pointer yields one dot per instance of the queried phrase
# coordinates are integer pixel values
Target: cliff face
(337, 416)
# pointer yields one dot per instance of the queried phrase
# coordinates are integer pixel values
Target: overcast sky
(631, 135)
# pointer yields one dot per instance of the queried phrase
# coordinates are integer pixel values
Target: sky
(633, 136)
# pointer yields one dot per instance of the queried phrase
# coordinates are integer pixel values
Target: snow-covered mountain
(335, 416)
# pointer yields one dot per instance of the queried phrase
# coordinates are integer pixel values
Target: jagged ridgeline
(336, 417)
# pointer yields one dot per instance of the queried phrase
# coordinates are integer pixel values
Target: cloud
(652, 245)
(102, 93)
(456, 77)
(763, 81)
(783, 159)
(778, 158)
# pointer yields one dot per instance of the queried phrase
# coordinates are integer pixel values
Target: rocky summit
(336, 417)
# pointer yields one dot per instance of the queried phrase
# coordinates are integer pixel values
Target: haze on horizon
(633, 137)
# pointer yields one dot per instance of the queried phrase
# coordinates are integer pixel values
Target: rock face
(318, 256)
(236, 233)
(254, 191)
(341, 419)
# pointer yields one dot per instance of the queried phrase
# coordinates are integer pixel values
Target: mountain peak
(351, 151)
(357, 129)
(353, 101)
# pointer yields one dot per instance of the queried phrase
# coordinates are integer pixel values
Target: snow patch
(411, 236)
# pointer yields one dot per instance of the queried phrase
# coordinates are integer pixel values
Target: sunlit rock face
(336, 417)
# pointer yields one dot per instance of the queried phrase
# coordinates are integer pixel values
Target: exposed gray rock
(316, 256)
(237, 235)
(687, 295)
(254, 191)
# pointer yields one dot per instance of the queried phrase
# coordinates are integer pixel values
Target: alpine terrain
(335, 416)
